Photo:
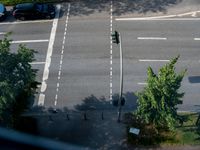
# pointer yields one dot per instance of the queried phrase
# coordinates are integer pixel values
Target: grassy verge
(183, 135)
(187, 134)
(14, 2)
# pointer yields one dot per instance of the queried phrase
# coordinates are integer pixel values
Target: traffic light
(115, 37)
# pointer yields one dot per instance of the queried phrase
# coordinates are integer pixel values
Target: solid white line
(37, 63)
(48, 57)
(29, 41)
(144, 18)
(25, 22)
(154, 60)
(151, 38)
(194, 14)
(158, 19)
(169, 17)
(189, 13)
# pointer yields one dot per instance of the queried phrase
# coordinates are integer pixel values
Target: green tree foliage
(17, 81)
(157, 103)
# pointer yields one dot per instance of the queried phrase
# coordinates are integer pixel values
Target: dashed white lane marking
(29, 41)
(154, 60)
(197, 39)
(142, 83)
(37, 63)
(61, 56)
(26, 22)
(48, 57)
(111, 30)
(151, 38)
(55, 103)
(2, 33)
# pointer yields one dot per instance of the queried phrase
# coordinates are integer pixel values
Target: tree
(17, 81)
(157, 103)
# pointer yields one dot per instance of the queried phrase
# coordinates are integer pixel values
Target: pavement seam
(61, 56)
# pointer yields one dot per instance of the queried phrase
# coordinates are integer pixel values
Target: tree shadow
(87, 7)
(194, 79)
(91, 124)
(143, 6)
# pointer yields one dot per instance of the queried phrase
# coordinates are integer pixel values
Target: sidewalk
(94, 133)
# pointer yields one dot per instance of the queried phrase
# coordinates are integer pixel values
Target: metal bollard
(67, 117)
(85, 117)
(50, 118)
(102, 117)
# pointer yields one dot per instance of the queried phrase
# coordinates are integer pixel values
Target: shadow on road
(91, 124)
(87, 7)
(143, 6)
(194, 79)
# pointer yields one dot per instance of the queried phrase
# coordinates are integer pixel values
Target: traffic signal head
(115, 37)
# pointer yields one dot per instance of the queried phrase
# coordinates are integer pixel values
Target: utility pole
(116, 38)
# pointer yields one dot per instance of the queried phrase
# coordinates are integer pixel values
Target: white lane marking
(26, 22)
(48, 57)
(154, 60)
(197, 39)
(29, 41)
(55, 103)
(58, 85)
(151, 38)
(37, 63)
(144, 18)
(158, 19)
(2, 33)
(61, 55)
(192, 13)
(142, 83)
(111, 51)
(169, 17)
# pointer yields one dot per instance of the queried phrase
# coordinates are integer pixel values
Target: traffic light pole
(121, 79)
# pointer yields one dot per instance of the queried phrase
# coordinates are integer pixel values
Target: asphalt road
(153, 43)
(84, 65)
(78, 65)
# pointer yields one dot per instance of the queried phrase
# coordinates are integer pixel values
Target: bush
(149, 134)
